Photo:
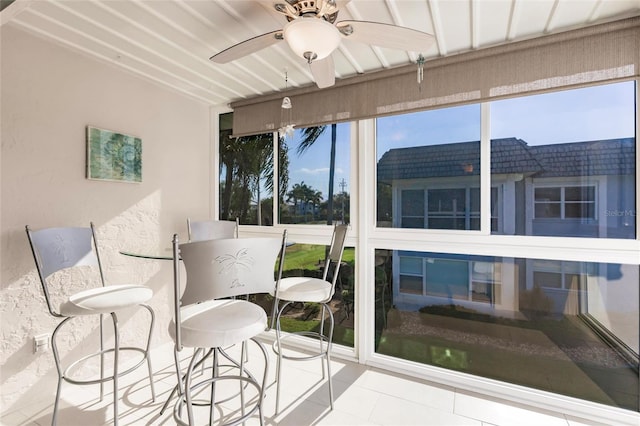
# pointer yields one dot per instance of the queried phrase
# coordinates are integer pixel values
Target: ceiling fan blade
(323, 72)
(340, 4)
(386, 35)
(247, 47)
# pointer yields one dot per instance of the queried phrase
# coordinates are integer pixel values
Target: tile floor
(363, 396)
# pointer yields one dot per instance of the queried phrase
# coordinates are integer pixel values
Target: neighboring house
(583, 189)
(304, 208)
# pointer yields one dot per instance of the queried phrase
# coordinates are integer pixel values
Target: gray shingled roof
(510, 155)
(592, 158)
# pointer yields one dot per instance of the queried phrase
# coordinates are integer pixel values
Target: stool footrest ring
(181, 402)
(313, 334)
(65, 375)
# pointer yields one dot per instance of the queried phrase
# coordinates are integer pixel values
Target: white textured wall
(49, 95)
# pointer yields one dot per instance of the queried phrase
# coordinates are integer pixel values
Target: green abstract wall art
(113, 156)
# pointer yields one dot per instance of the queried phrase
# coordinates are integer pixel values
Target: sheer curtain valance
(597, 54)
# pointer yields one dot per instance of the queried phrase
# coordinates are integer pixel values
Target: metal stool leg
(320, 340)
(214, 373)
(56, 358)
(187, 387)
(116, 352)
(279, 352)
(147, 353)
(101, 357)
(328, 353)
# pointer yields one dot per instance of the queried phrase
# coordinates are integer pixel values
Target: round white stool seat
(102, 300)
(305, 289)
(219, 323)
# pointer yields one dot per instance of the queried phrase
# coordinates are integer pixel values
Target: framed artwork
(113, 156)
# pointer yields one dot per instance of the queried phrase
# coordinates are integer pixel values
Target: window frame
(562, 202)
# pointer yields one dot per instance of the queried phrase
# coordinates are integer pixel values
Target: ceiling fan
(313, 34)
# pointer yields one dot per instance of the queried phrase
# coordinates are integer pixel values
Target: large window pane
(564, 163)
(561, 326)
(246, 176)
(429, 169)
(315, 179)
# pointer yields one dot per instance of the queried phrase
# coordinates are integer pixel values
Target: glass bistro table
(158, 253)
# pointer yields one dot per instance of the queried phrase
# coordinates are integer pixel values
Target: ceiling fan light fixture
(312, 38)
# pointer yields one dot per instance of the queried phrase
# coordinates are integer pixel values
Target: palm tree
(248, 161)
(310, 135)
(296, 194)
(315, 198)
(301, 192)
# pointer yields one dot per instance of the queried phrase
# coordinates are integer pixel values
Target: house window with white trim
(445, 208)
(456, 278)
(560, 275)
(452, 209)
(565, 202)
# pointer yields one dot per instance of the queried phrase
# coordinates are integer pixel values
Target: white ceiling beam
(514, 17)
(595, 12)
(215, 99)
(437, 26)
(549, 26)
(13, 10)
(121, 50)
(474, 23)
(203, 61)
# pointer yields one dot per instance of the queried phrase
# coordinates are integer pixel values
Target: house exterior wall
(49, 95)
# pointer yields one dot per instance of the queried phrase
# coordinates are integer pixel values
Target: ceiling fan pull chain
(420, 63)
(286, 119)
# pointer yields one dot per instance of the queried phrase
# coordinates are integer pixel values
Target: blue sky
(599, 112)
(313, 166)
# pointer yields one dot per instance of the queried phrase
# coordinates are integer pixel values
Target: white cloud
(318, 171)
(314, 171)
(398, 136)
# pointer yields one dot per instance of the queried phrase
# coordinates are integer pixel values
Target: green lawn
(341, 335)
(307, 256)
